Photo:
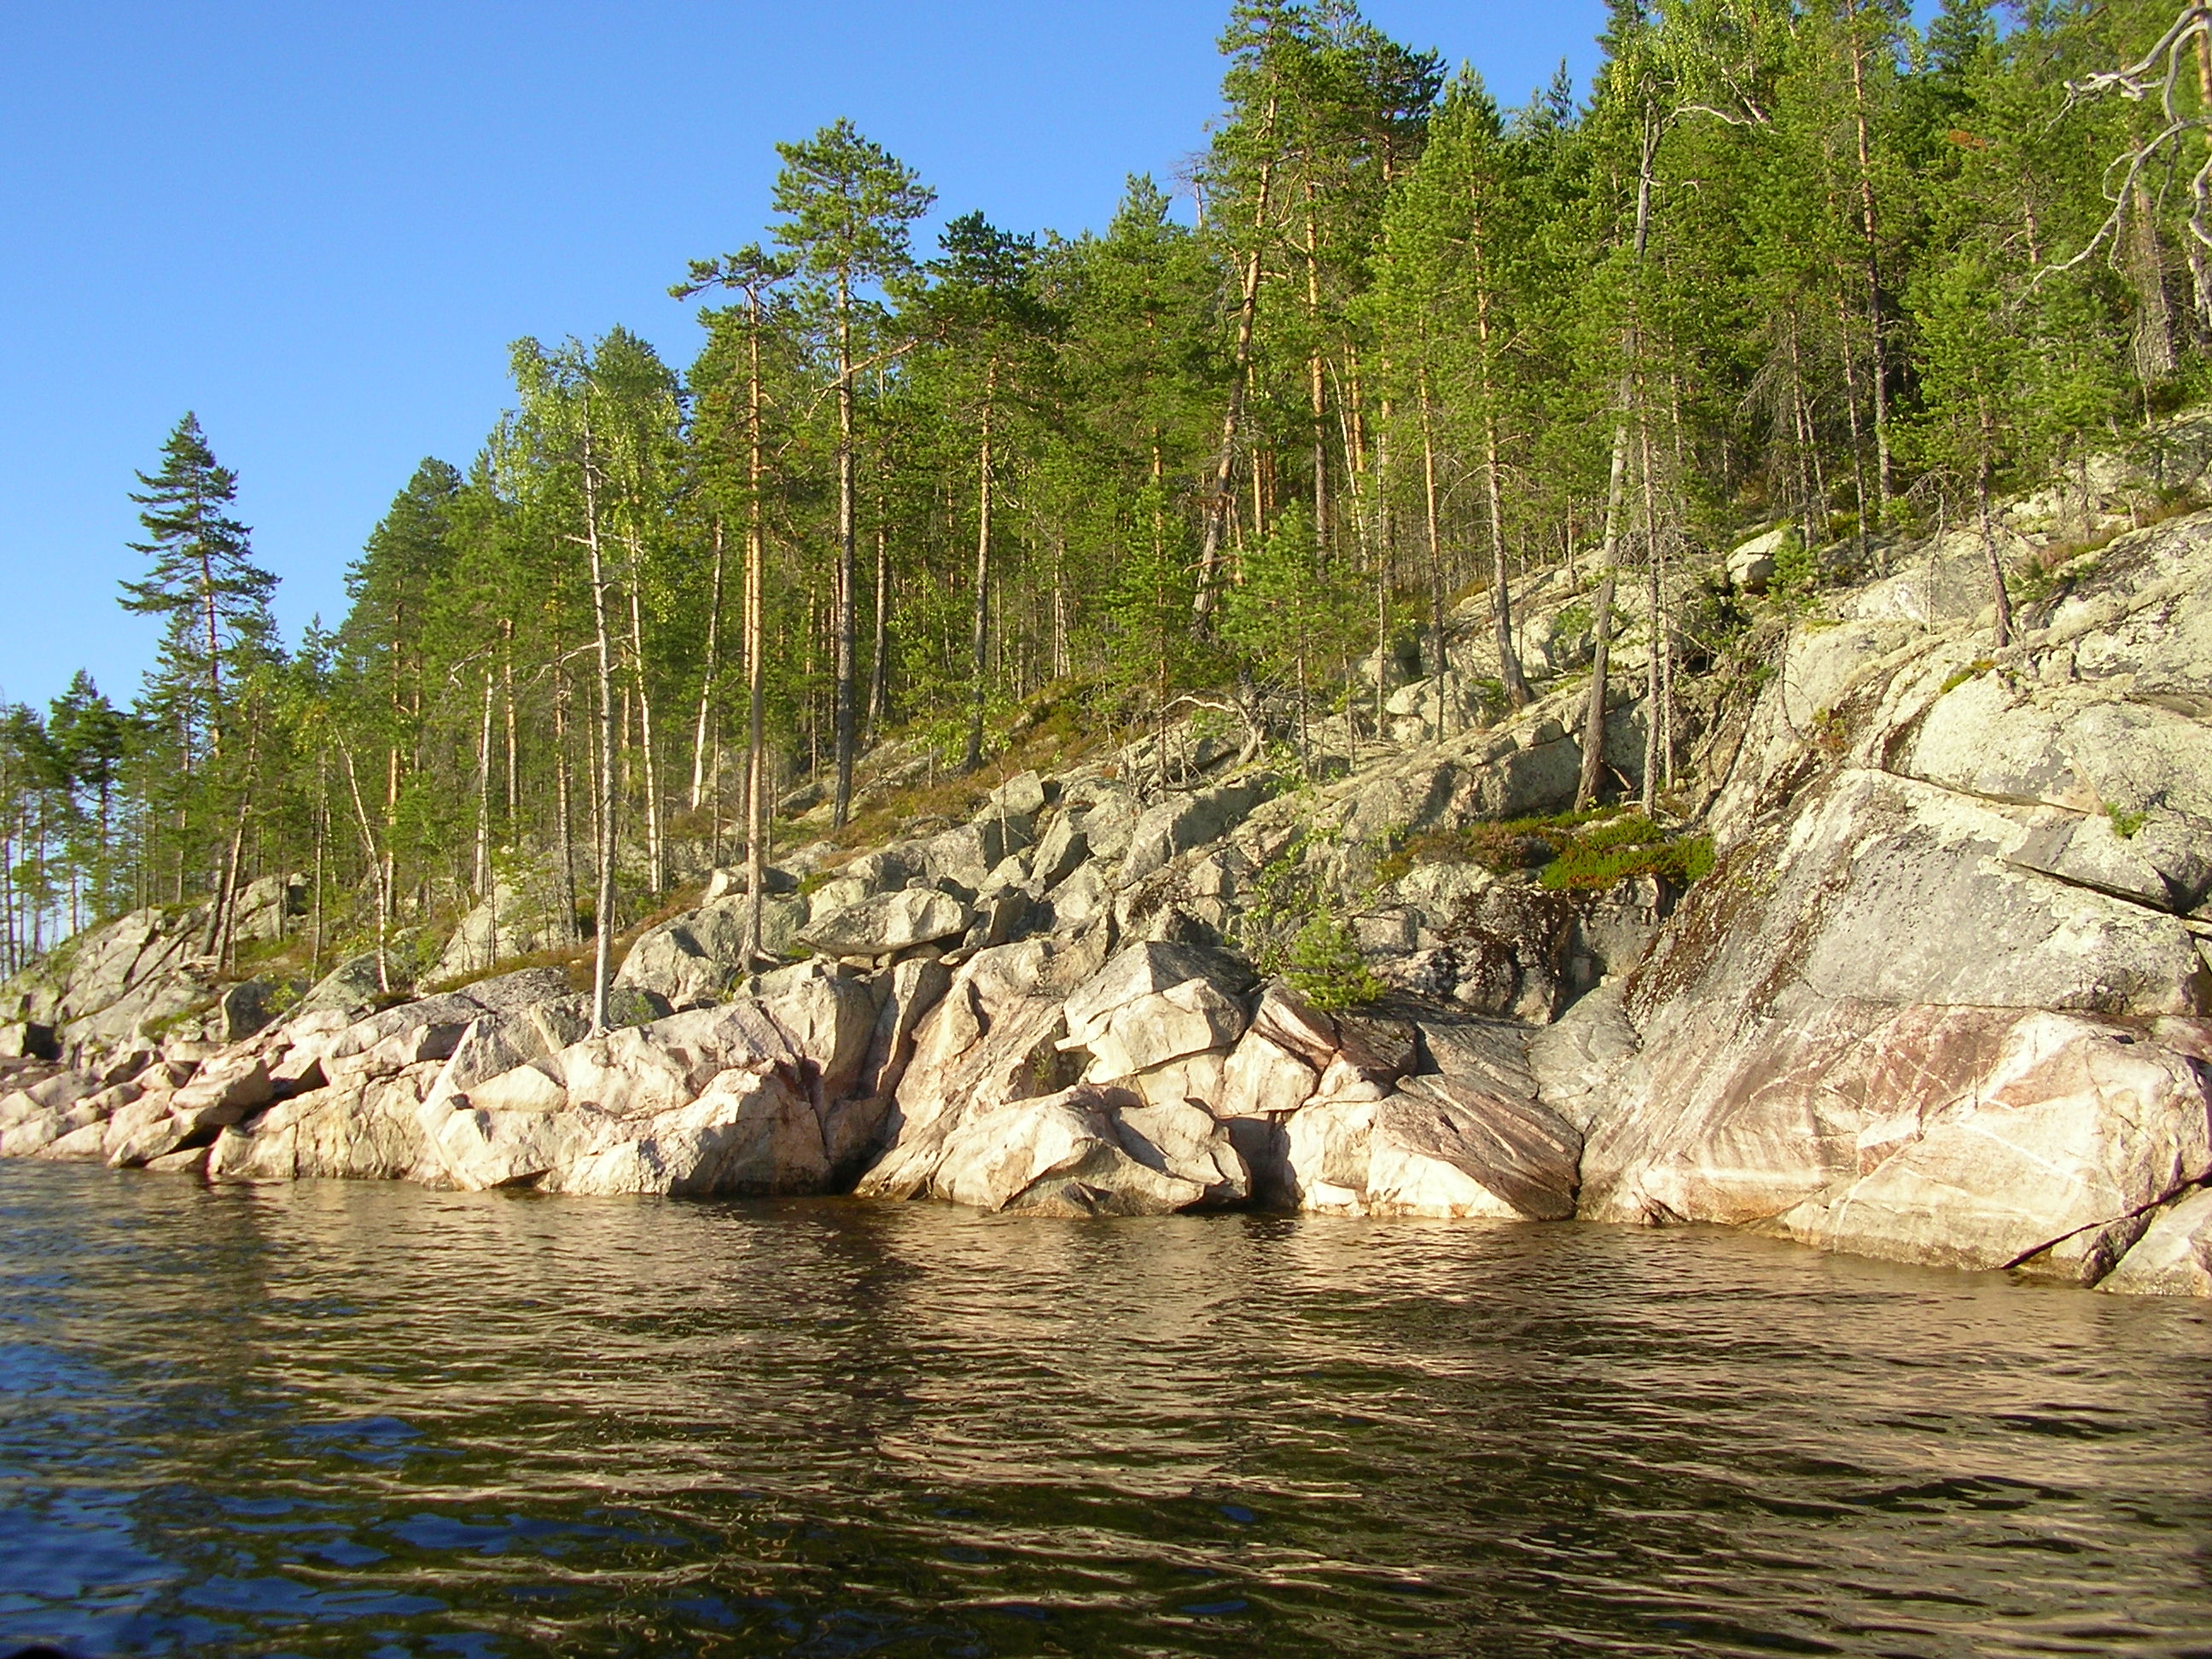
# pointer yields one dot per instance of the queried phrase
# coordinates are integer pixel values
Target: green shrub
(1326, 969)
(1797, 571)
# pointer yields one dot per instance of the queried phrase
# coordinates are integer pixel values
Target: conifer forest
(1393, 340)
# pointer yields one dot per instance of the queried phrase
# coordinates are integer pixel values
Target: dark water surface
(375, 1420)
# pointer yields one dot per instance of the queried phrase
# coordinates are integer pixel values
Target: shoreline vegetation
(1809, 269)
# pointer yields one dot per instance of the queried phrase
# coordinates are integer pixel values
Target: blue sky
(320, 225)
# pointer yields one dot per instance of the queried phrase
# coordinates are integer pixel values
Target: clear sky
(319, 225)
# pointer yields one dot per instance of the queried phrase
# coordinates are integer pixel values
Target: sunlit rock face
(1946, 997)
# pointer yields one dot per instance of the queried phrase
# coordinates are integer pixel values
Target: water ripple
(335, 1419)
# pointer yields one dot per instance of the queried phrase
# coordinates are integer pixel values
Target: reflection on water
(374, 1421)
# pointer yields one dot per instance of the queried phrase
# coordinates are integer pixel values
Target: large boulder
(748, 1132)
(1581, 1063)
(51, 1110)
(265, 909)
(965, 856)
(1433, 1148)
(1466, 1138)
(1090, 1149)
(364, 1128)
(1153, 1004)
(1192, 1018)
(355, 988)
(1059, 853)
(517, 919)
(889, 923)
(100, 991)
(2072, 1126)
(698, 957)
(755, 1097)
(2174, 1257)
(1182, 822)
(1106, 814)
(1942, 1001)
(1751, 564)
(991, 1038)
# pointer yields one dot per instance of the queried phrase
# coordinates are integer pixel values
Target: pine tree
(1448, 296)
(983, 309)
(846, 204)
(90, 738)
(212, 598)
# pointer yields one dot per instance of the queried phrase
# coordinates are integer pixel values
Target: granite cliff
(1916, 962)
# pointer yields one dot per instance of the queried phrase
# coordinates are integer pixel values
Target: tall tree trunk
(1386, 546)
(564, 822)
(847, 638)
(215, 652)
(322, 836)
(981, 636)
(755, 665)
(1866, 506)
(1593, 757)
(1317, 385)
(706, 678)
(226, 898)
(377, 865)
(1509, 661)
(2154, 354)
(1224, 465)
(1871, 252)
(603, 921)
(220, 917)
(1439, 648)
(879, 649)
(1059, 606)
(1999, 595)
(1601, 627)
(656, 851)
(513, 802)
(481, 882)
(1655, 619)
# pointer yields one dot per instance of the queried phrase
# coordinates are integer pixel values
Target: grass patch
(2124, 823)
(1499, 848)
(1571, 851)
(1583, 868)
(1973, 670)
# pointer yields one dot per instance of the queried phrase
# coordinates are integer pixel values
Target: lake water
(375, 1420)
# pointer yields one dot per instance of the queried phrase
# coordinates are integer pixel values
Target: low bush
(1325, 967)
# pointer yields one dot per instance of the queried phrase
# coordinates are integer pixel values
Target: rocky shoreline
(1942, 997)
